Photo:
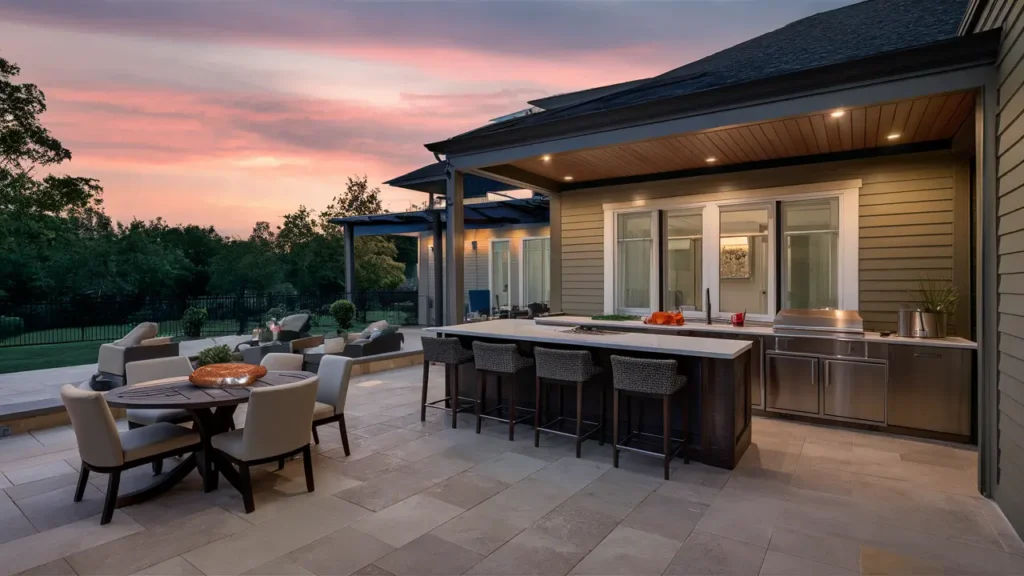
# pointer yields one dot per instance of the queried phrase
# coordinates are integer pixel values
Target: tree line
(56, 241)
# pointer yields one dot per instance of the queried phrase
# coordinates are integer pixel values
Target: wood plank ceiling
(909, 121)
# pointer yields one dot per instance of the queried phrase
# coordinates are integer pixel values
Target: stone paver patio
(425, 499)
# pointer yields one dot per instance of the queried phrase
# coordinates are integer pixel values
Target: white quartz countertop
(528, 331)
(699, 326)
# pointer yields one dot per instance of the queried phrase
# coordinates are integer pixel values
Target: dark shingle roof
(849, 33)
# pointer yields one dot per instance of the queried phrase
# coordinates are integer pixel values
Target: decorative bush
(343, 312)
(276, 313)
(11, 326)
(214, 355)
(193, 321)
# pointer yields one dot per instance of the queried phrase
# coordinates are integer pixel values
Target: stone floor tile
(373, 570)
(409, 519)
(176, 566)
(1004, 531)
(509, 467)
(436, 468)
(384, 491)
(580, 526)
(40, 472)
(185, 499)
(278, 567)
(672, 518)
(878, 561)
(688, 491)
(818, 547)
(370, 467)
(779, 564)
(301, 524)
(479, 531)
(629, 552)
(61, 437)
(573, 473)
(38, 549)
(340, 553)
(748, 519)
(58, 567)
(616, 492)
(429, 555)
(465, 490)
(13, 524)
(363, 447)
(372, 430)
(4, 482)
(531, 552)
(57, 507)
(20, 447)
(421, 448)
(704, 553)
(30, 489)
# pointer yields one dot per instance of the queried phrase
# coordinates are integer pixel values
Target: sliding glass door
(501, 263)
(536, 270)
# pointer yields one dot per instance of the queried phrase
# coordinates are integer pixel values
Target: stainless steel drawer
(792, 383)
(854, 390)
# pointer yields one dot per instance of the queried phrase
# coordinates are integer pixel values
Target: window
(500, 274)
(634, 249)
(536, 270)
(744, 260)
(683, 260)
(810, 253)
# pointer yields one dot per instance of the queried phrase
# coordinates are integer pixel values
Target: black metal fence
(84, 319)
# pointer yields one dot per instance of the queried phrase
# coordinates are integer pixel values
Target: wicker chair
(447, 351)
(500, 360)
(648, 378)
(568, 368)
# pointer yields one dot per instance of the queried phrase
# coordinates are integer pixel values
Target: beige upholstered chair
(281, 361)
(277, 424)
(334, 374)
(139, 344)
(104, 449)
(157, 369)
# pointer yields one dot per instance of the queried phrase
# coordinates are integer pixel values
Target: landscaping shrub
(343, 312)
(193, 320)
(214, 355)
(276, 313)
(11, 326)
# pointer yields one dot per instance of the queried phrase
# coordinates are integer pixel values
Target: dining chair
(282, 361)
(106, 450)
(157, 369)
(334, 374)
(277, 425)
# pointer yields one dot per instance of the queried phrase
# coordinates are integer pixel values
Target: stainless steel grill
(846, 322)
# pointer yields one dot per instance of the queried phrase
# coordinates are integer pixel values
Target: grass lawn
(20, 358)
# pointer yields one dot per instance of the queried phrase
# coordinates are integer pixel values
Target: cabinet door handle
(926, 355)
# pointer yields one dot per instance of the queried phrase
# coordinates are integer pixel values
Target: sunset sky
(225, 112)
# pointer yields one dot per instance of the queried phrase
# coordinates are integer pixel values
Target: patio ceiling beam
(901, 88)
(516, 176)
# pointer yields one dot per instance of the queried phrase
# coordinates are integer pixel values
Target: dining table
(212, 410)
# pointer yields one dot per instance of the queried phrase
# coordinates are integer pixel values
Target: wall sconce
(473, 244)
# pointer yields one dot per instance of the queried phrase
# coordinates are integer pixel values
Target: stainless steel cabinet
(930, 388)
(791, 383)
(854, 390)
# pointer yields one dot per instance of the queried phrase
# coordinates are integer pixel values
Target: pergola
(432, 179)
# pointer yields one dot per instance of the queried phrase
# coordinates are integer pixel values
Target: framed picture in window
(734, 258)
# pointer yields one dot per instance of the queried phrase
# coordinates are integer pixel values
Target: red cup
(737, 319)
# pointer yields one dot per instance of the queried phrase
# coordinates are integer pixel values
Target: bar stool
(500, 360)
(447, 351)
(650, 379)
(567, 368)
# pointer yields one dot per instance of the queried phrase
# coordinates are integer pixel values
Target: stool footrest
(624, 444)
(466, 404)
(550, 427)
(503, 409)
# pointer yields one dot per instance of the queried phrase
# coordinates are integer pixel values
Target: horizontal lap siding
(1007, 14)
(906, 225)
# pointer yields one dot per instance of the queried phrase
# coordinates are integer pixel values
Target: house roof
(519, 212)
(855, 32)
(433, 180)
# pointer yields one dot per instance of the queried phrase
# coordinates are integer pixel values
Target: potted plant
(193, 320)
(932, 304)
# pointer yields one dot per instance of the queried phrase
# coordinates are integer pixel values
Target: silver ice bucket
(918, 324)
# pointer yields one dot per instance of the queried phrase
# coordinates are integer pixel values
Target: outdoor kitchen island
(717, 371)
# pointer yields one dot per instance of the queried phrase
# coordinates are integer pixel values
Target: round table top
(182, 394)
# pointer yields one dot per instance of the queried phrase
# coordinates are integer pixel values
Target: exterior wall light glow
(711, 160)
(546, 157)
(838, 113)
(567, 178)
(893, 136)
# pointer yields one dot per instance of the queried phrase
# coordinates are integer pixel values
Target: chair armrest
(149, 352)
(300, 344)
(111, 359)
(156, 341)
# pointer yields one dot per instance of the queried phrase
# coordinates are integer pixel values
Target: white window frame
(490, 269)
(848, 273)
(522, 267)
(716, 283)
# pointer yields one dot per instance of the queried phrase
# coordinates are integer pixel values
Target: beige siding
(1007, 14)
(906, 225)
(477, 261)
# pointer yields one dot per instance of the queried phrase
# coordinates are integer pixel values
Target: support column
(350, 262)
(987, 281)
(439, 295)
(555, 267)
(455, 249)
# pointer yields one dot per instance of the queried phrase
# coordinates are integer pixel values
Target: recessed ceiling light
(711, 159)
(838, 113)
(567, 178)
(893, 136)
(546, 157)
